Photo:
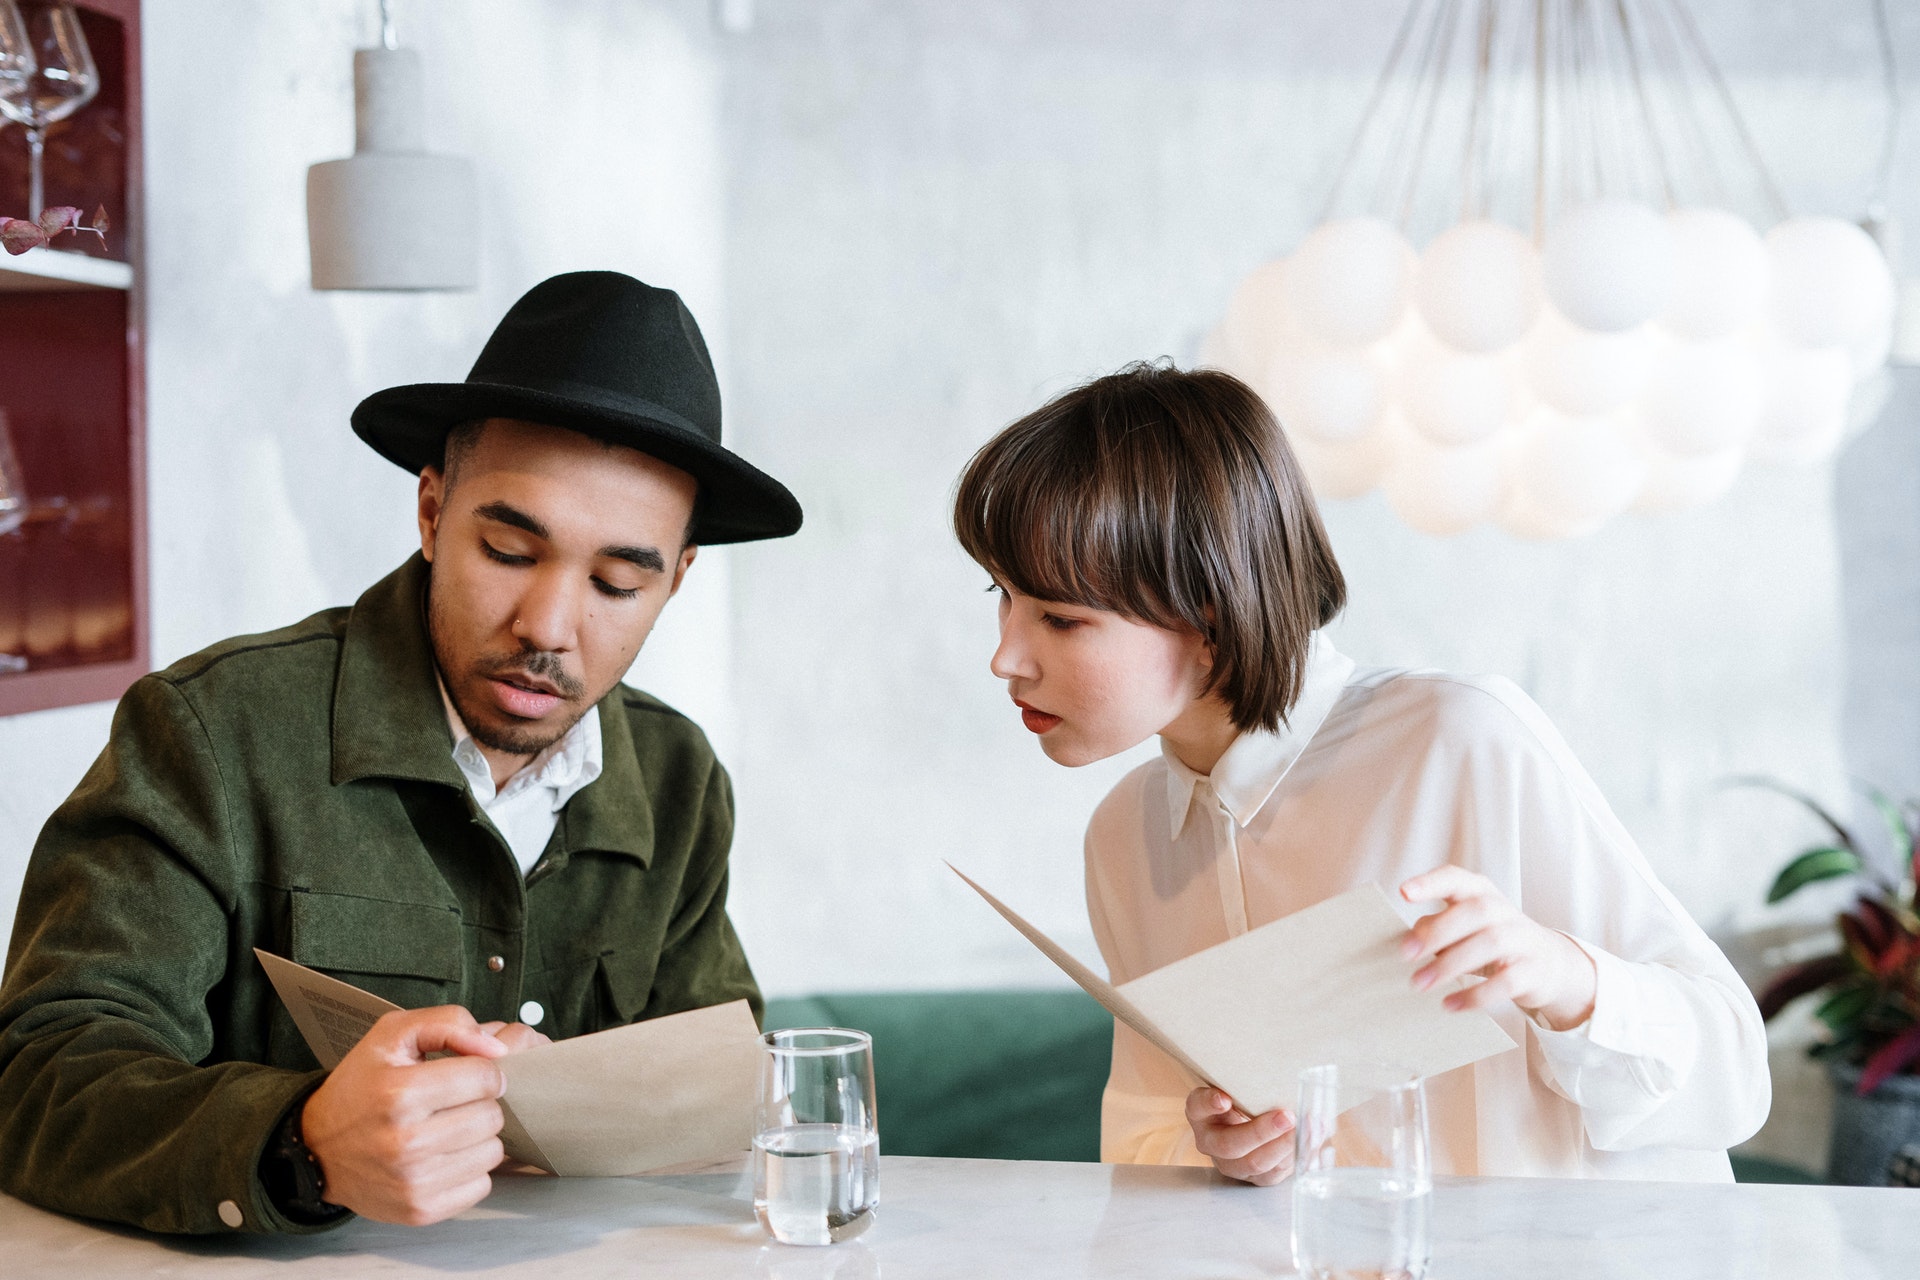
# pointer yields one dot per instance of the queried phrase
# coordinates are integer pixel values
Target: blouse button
(531, 1013)
(496, 963)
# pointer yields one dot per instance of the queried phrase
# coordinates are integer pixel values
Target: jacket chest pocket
(409, 953)
(587, 993)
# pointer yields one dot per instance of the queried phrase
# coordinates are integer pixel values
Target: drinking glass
(816, 1146)
(1363, 1178)
(52, 77)
(13, 488)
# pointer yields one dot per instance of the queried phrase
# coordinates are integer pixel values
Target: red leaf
(100, 223)
(1890, 1058)
(17, 235)
(1792, 983)
(60, 218)
(1879, 924)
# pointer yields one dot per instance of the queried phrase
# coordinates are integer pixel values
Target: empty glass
(13, 488)
(1363, 1180)
(816, 1146)
(46, 74)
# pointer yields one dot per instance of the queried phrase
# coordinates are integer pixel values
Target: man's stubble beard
(530, 741)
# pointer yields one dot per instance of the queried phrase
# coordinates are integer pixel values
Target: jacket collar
(1253, 766)
(387, 718)
(389, 722)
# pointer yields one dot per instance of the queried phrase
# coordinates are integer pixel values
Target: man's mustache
(541, 665)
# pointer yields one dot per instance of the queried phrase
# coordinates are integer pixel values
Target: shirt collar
(1252, 767)
(565, 766)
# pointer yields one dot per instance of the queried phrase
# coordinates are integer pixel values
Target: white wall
(942, 215)
(594, 128)
(902, 225)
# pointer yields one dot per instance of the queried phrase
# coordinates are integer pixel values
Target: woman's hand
(1256, 1149)
(1541, 970)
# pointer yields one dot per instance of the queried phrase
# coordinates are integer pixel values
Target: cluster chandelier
(1631, 349)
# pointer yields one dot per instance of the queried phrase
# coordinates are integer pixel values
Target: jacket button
(531, 1013)
(231, 1215)
(496, 963)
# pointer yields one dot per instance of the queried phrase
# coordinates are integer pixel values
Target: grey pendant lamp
(392, 216)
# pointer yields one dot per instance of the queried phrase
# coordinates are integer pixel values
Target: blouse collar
(1252, 767)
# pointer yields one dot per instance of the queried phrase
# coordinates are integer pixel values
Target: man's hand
(401, 1139)
(515, 1035)
(1479, 931)
(1256, 1149)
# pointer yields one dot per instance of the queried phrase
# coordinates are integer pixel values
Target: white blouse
(1379, 775)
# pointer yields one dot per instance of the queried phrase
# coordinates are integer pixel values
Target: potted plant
(1869, 989)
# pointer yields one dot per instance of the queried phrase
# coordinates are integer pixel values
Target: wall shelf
(57, 270)
(73, 578)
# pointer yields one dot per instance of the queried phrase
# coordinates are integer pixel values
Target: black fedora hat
(603, 354)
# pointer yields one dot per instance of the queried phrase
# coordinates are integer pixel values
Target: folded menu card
(634, 1098)
(1322, 985)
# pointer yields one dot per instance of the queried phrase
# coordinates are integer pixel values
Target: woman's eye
(494, 553)
(1059, 623)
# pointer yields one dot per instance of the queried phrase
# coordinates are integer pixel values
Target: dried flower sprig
(17, 235)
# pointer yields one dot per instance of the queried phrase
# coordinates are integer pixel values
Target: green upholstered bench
(1005, 1075)
(1002, 1075)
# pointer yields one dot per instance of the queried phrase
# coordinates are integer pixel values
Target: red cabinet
(73, 579)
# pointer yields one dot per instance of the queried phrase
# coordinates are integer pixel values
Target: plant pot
(1867, 1131)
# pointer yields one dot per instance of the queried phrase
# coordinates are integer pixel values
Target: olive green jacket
(296, 791)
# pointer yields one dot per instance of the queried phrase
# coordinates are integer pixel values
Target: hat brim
(738, 502)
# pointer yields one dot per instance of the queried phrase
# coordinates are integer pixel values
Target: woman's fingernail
(1423, 979)
(1411, 947)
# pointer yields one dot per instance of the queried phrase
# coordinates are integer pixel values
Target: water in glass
(816, 1183)
(1362, 1224)
(1363, 1181)
(816, 1156)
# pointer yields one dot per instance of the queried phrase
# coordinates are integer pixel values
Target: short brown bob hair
(1169, 496)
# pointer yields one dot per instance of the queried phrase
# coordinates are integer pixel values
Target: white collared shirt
(1377, 776)
(526, 810)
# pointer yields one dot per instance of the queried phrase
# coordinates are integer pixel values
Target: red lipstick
(1035, 719)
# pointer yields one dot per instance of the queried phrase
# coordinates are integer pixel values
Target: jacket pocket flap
(373, 935)
(629, 978)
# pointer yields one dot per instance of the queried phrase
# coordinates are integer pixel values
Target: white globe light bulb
(1576, 473)
(1830, 282)
(1349, 280)
(1608, 265)
(1719, 274)
(1479, 286)
(1677, 484)
(1704, 397)
(1351, 469)
(1334, 395)
(1452, 397)
(1446, 491)
(1259, 320)
(1580, 372)
(1804, 403)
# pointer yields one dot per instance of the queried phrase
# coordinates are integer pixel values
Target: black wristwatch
(292, 1176)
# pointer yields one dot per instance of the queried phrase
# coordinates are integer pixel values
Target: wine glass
(52, 77)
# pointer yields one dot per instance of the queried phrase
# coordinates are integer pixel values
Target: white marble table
(1032, 1221)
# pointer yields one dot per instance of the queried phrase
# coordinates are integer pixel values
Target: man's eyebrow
(504, 514)
(648, 558)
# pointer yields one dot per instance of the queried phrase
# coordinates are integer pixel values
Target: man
(443, 794)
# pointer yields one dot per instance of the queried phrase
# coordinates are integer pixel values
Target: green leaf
(1844, 1008)
(1840, 833)
(1897, 829)
(1822, 862)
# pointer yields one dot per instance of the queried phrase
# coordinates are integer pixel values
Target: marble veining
(979, 1218)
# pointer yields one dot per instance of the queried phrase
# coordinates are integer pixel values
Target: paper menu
(1326, 984)
(616, 1102)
